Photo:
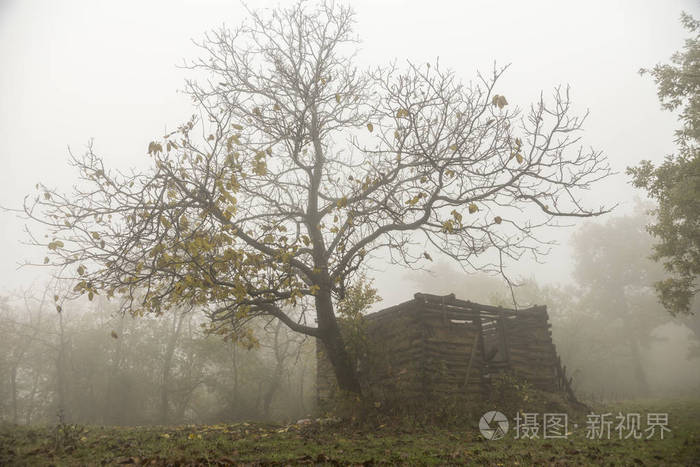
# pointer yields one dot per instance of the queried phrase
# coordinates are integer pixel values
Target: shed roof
(459, 308)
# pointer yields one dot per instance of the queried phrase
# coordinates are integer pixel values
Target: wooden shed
(435, 346)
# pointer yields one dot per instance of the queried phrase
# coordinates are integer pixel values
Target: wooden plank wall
(531, 351)
(420, 350)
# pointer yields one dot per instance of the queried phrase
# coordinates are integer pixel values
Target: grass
(342, 443)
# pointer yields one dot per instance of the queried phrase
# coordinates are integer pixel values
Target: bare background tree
(91, 364)
(307, 166)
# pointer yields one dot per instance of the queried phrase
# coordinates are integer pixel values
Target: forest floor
(343, 443)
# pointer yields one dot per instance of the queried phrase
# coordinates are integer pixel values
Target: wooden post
(471, 360)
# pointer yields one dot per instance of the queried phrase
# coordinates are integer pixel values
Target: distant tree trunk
(277, 373)
(193, 375)
(30, 403)
(19, 355)
(269, 395)
(60, 367)
(13, 388)
(639, 373)
(167, 367)
(111, 410)
(258, 397)
(302, 375)
(234, 367)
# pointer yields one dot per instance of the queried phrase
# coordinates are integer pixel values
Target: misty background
(75, 71)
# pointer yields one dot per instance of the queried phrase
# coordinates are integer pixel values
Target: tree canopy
(675, 184)
(301, 166)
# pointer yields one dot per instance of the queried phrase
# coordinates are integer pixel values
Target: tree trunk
(270, 393)
(167, 366)
(60, 368)
(639, 373)
(345, 373)
(277, 373)
(31, 402)
(334, 345)
(13, 385)
(302, 375)
(111, 407)
(234, 368)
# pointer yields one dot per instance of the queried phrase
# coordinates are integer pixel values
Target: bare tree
(22, 332)
(306, 166)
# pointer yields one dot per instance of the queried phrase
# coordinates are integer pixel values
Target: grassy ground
(332, 444)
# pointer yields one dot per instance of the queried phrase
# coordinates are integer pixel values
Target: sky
(74, 71)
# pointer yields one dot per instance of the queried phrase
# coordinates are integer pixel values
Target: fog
(73, 72)
(77, 71)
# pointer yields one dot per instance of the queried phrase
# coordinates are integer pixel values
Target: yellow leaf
(46, 260)
(95, 235)
(114, 334)
(473, 208)
(337, 98)
(453, 147)
(519, 158)
(499, 101)
(55, 245)
(81, 270)
(370, 127)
